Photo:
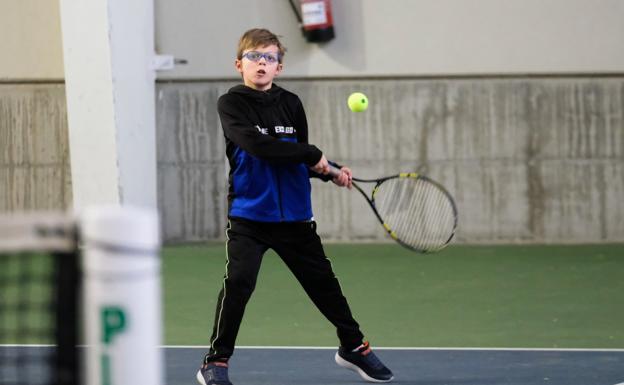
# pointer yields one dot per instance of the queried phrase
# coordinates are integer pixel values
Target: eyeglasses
(255, 56)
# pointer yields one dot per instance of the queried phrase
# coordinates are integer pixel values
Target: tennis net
(39, 281)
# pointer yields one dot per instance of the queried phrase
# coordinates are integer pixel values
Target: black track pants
(300, 248)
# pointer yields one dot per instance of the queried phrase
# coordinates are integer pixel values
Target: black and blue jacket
(266, 137)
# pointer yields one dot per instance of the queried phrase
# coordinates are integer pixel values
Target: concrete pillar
(108, 48)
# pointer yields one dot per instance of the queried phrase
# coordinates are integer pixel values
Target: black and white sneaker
(213, 373)
(365, 362)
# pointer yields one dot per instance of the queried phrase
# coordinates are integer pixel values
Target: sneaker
(365, 362)
(213, 373)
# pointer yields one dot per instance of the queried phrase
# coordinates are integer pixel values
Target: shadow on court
(415, 367)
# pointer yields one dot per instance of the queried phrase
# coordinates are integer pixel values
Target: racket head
(416, 211)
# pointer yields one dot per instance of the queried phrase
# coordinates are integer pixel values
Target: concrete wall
(191, 161)
(528, 160)
(34, 149)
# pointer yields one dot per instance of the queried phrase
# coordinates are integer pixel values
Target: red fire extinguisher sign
(317, 20)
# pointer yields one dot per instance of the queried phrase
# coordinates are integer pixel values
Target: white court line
(376, 348)
(409, 348)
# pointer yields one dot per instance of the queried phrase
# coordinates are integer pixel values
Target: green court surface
(551, 296)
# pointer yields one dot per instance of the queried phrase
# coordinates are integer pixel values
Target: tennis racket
(415, 211)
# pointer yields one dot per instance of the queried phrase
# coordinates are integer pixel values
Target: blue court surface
(316, 366)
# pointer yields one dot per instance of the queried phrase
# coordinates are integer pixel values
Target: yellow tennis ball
(357, 102)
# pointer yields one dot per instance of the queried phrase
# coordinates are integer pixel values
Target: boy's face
(259, 66)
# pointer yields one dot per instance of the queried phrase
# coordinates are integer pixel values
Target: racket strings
(436, 216)
(417, 211)
(412, 217)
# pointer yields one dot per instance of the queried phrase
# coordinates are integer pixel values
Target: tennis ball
(357, 102)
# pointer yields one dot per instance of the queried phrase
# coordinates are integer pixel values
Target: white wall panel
(404, 37)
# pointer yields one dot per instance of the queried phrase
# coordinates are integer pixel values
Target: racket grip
(334, 171)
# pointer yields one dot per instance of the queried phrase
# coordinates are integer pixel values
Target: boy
(266, 137)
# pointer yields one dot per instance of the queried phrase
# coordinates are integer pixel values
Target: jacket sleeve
(238, 128)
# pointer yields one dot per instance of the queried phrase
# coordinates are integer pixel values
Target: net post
(122, 296)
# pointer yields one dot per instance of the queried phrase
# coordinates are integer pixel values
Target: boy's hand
(345, 179)
(322, 167)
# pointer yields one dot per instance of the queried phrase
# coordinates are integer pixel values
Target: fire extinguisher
(316, 20)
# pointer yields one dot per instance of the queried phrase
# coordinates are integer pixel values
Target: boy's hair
(259, 37)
